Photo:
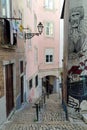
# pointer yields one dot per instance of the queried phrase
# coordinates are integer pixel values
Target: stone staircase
(52, 118)
(48, 126)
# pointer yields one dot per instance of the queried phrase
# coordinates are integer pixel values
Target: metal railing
(39, 105)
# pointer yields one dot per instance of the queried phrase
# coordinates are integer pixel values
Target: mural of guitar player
(77, 38)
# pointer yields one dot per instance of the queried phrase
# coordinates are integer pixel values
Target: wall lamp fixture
(40, 30)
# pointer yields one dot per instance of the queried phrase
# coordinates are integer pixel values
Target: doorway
(22, 86)
(9, 88)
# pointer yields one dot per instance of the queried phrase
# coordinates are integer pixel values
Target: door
(9, 88)
(22, 86)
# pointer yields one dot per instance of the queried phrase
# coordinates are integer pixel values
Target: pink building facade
(34, 62)
(42, 52)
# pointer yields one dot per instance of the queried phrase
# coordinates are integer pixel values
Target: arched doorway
(50, 84)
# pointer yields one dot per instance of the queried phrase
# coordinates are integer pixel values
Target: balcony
(8, 39)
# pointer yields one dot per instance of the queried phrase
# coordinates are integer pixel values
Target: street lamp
(40, 30)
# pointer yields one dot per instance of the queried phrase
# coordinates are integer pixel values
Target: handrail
(39, 104)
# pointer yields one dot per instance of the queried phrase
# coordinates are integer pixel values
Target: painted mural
(77, 39)
(77, 56)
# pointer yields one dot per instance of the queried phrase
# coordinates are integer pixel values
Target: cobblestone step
(54, 116)
(24, 117)
(56, 126)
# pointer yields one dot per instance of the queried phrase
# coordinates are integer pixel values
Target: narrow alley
(51, 117)
(43, 65)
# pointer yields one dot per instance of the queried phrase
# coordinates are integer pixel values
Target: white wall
(61, 35)
(61, 41)
(61, 5)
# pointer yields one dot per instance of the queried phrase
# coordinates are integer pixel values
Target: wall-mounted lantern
(40, 30)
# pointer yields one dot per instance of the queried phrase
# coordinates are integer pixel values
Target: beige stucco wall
(10, 55)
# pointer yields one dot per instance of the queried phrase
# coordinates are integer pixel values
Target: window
(36, 80)
(7, 31)
(49, 58)
(5, 8)
(14, 30)
(2, 7)
(49, 4)
(21, 66)
(29, 3)
(8, 35)
(49, 29)
(30, 84)
(49, 55)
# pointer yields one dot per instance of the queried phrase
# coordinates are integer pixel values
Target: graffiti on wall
(77, 38)
(77, 55)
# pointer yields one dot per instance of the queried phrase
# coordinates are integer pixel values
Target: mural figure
(76, 71)
(76, 36)
(77, 54)
(77, 85)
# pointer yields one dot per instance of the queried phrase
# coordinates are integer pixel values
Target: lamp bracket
(30, 35)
